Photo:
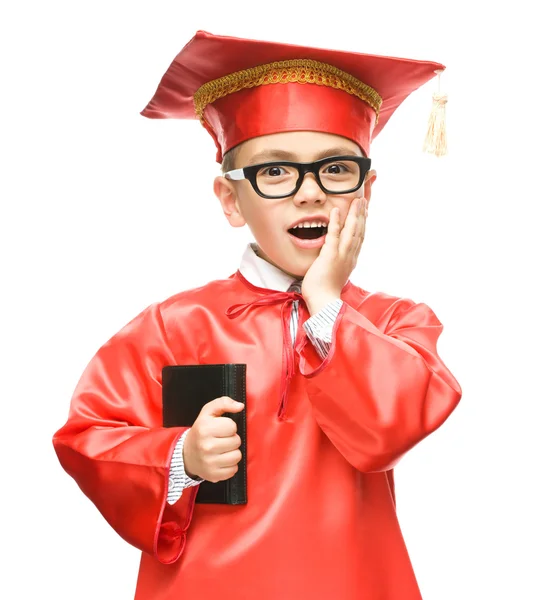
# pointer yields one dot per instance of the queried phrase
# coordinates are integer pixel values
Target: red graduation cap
(240, 89)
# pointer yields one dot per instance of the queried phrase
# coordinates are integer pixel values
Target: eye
(275, 171)
(336, 169)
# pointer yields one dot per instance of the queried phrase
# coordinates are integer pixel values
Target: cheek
(344, 204)
(263, 220)
(264, 227)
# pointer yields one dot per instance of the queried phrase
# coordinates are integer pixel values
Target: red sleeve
(378, 393)
(114, 445)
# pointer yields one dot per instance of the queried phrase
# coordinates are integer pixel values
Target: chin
(298, 273)
(299, 267)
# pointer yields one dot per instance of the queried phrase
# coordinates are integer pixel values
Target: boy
(359, 382)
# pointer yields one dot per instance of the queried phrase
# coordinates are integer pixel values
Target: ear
(367, 186)
(226, 194)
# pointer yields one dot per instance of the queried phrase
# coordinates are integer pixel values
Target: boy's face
(270, 219)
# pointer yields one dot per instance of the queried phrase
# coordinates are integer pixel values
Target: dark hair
(229, 160)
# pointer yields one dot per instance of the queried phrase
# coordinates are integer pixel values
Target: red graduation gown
(323, 438)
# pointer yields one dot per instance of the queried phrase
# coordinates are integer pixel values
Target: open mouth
(308, 233)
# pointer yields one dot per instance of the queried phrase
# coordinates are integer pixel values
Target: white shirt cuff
(320, 325)
(178, 479)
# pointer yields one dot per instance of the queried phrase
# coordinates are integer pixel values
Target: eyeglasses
(335, 175)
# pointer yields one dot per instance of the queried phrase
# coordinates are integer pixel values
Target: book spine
(233, 374)
(240, 381)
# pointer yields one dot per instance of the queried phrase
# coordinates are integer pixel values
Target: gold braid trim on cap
(298, 70)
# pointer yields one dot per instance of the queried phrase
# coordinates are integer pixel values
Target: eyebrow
(275, 154)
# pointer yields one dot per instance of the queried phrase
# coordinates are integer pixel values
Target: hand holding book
(210, 399)
(211, 450)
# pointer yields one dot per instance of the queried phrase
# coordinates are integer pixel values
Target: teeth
(311, 224)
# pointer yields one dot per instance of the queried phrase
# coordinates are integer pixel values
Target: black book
(185, 390)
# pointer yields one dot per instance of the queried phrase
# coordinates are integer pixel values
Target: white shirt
(318, 328)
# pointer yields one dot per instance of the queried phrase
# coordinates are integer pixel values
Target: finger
(360, 218)
(359, 232)
(225, 473)
(349, 230)
(229, 459)
(219, 406)
(364, 219)
(226, 444)
(223, 427)
(333, 232)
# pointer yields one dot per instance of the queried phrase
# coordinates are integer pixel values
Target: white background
(104, 212)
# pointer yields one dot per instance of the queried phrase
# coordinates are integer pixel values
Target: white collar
(263, 274)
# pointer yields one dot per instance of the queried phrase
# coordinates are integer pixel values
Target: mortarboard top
(241, 88)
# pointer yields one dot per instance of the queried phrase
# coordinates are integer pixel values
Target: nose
(309, 191)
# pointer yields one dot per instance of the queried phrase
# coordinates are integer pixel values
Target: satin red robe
(323, 438)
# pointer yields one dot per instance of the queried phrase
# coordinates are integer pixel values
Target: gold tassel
(436, 137)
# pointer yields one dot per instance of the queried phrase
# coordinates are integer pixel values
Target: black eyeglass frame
(251, 172)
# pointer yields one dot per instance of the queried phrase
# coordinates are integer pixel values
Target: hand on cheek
(338, 256)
